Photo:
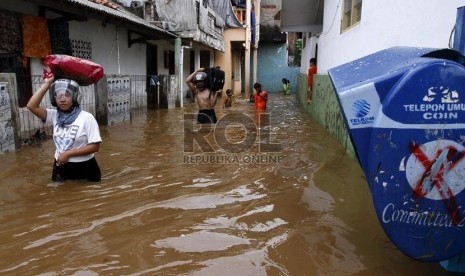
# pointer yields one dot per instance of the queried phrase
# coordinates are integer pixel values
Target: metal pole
(248, 31)
(178, 66)
(181, 69)
(158, 94)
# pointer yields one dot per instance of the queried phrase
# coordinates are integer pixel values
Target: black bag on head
(215, 78)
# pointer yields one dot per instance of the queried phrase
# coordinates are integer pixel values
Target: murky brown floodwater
(152, 214)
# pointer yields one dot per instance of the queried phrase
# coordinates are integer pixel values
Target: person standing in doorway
(206, 99)
(260, 96)
(75, 132)
(312, 70)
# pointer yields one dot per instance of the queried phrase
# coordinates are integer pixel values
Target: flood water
(157, 213)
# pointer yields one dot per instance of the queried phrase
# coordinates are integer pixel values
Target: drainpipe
(181, 76)
(247, 49)
(459, 36)
(257, 38)
(178, 66)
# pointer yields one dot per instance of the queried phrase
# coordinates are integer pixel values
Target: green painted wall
(325, 108)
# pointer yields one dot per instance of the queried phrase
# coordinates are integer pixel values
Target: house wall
(110, 47)
(272, 67)
(384, 24)
(324, 108)
(308, 52)
(162, 47)
(109, 43)
(226, 59)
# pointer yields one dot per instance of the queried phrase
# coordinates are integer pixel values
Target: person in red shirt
(311, 71)
(260, 96)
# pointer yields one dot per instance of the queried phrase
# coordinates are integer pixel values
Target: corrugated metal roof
(224, 9)
(121, 14)
(107, 3)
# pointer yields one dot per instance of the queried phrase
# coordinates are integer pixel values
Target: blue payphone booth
(405, 112)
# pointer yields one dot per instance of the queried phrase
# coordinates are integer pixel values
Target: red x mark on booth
(433, 176)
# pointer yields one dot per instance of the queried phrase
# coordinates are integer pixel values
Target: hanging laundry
(36, 39)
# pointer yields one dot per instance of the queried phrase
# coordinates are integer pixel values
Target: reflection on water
(156, 214)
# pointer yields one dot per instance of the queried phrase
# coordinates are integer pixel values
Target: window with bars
(351, 13)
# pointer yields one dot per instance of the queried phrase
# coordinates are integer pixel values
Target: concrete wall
(226, 59)
(9, 117)
(7, 122)
(383, 24)
(110, 47)
(272, 67)
(325, 108)
(119, 94)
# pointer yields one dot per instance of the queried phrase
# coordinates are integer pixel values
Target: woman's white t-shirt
(83, 131)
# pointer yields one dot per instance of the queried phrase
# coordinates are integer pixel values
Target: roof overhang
(302, 16)
(121, 17)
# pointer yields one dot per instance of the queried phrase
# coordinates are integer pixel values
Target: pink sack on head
(83, 71)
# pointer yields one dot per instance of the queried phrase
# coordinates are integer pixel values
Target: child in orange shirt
(311, 71)
(260, 96)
